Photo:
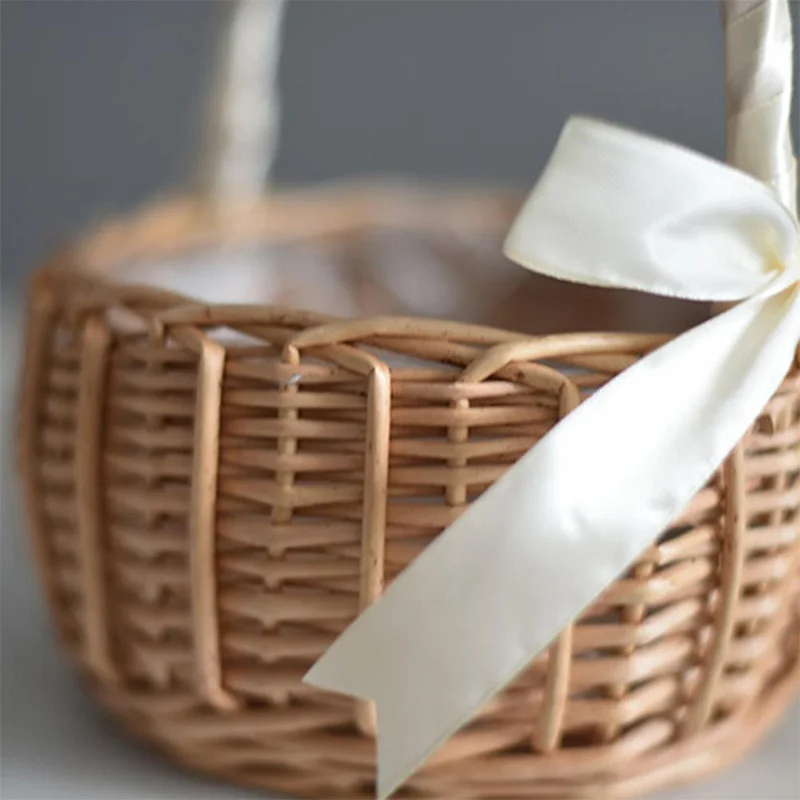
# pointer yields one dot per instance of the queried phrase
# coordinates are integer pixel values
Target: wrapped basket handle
(758, 92)
(242, 134)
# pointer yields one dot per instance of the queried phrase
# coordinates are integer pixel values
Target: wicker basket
(216, 490)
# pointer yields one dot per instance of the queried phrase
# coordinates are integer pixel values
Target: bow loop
(619, 209)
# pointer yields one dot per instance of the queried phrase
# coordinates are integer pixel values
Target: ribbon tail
(540, 545)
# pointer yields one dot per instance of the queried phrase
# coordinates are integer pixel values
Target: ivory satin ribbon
(613, 208)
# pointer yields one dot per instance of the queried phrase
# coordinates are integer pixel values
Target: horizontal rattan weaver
(215, 491)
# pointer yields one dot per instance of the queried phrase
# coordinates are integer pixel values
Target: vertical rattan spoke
(732, 564)
(41, 315)
(373, 530)
(282, 510)
(202, 527)
(547, 735)
(376, 469)
(90, 424)
(456, 493)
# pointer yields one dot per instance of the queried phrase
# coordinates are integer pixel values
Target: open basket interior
(363, 251)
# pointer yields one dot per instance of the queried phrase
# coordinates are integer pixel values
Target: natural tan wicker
(215, 491)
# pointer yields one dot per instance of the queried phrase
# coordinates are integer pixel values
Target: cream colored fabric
(613, 208)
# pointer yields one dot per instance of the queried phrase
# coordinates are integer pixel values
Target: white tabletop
(56, 745)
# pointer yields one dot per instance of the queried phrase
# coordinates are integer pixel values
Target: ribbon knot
(612, 208)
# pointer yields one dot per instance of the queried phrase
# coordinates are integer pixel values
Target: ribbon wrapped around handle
(612, 208)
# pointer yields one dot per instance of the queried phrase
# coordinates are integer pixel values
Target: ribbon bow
(612, 208)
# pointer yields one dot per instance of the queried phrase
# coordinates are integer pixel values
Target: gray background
(101, 101)
(100, 107)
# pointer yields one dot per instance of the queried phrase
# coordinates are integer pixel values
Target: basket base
(680, 763)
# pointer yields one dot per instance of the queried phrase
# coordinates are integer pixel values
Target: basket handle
(758, 93)
(242, 134)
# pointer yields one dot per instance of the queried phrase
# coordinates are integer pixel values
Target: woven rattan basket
(216, 490)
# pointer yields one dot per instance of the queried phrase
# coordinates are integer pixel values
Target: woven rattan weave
(215, 491)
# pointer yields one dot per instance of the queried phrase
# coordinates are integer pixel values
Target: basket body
(216, 492)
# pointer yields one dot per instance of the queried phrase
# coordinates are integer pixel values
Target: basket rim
(187, 224)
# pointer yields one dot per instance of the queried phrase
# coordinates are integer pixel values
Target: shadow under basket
(215, 492)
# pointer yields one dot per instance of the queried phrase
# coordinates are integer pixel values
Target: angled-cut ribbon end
(334, 672)
(372, 665)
